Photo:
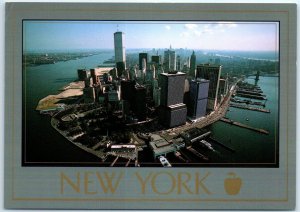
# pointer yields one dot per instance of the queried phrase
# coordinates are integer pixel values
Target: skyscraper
(178, 63)
(83, 74)
(127, 90)
(155, 59)
(198, 98)
(119, 40)
(173, 111)
(139, 108)
(156, 65)
(172, 88)
(211, 73)
(170, 60)
(193, 65)
(143, 57)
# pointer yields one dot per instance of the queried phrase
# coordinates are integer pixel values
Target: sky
(61, 35)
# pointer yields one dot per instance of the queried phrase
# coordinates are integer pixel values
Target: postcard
(150, 106)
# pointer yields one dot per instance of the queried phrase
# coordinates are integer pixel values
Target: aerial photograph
(150, 93)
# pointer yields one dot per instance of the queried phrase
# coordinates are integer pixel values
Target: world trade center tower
(120, 57)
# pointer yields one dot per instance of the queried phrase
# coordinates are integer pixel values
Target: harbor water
(252, 148)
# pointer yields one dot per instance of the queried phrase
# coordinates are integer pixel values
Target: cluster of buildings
(175, 91)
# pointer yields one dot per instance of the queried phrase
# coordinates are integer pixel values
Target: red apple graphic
(232, 184)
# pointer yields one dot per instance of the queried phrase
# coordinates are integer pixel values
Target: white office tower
(169, 60)
(153, 71)
(144, 66)
(119, 39)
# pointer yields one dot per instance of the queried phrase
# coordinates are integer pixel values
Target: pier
(198, 154)
(251, 96)
(127, 163)
(115, 160)
(252, 92)
(248, 102)
(178, 155)
(244, 126)
(201, 136)
(222, 145)
(250, 108)
(186, 156)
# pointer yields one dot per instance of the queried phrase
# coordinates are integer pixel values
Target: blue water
(252, 148)
(41, 142)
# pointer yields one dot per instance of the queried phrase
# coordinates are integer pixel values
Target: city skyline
(235, 36)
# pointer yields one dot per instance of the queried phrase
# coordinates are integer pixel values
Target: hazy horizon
(205, 36)
(146, 49)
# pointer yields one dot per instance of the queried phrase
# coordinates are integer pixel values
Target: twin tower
(120, 55)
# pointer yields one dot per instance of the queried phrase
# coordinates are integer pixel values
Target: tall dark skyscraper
(172, 88)
(127, 90)
(94, 76)
(173, 111)
(139, 107)
(198, 98)
(193, 65)
(141, 57)
(213, 74)
(155, 59)
(83, 74)
(222, 87)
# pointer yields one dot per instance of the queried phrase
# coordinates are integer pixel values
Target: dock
(222, 145)
(250, 108)
(128, 162)
(198, 154)
(251, 96)
(201, 136)
(245, 126)
(247, 102)
(252, 92)
(115, 160)
(178, 155)
(186, 156)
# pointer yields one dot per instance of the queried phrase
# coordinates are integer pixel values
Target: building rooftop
(209, 65)
(160, 146)
(102, 70)
(200, 80)
(174, 73)
(177, 106)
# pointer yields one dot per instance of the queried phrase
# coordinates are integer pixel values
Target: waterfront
(44, 144)
(252, 147)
